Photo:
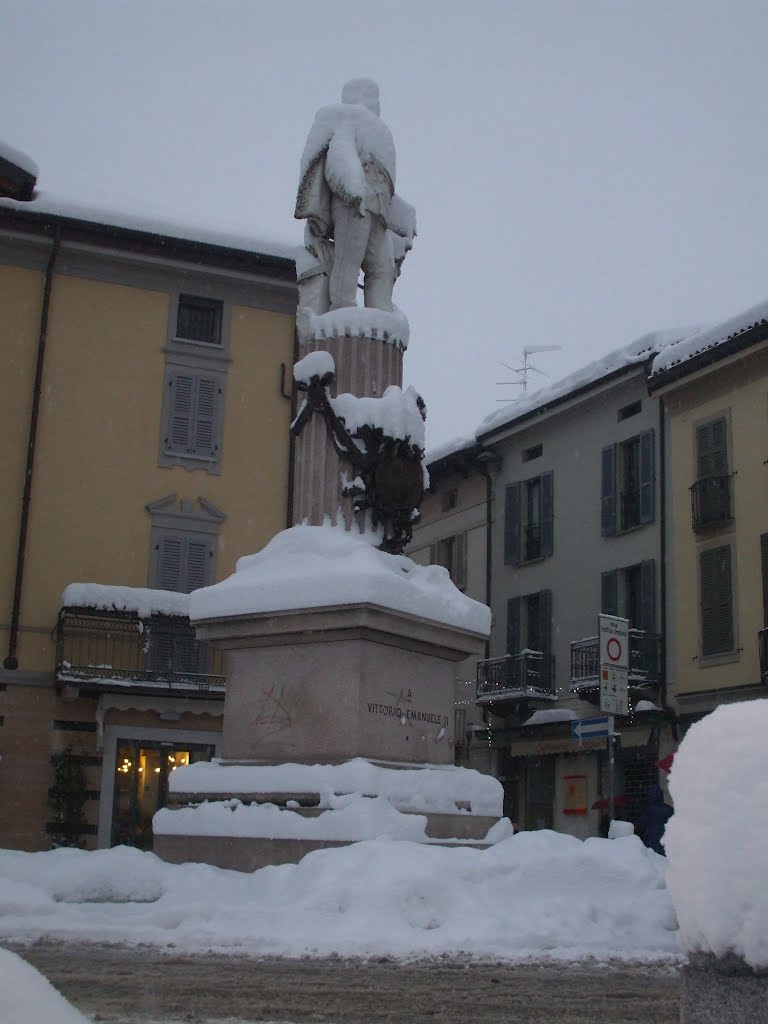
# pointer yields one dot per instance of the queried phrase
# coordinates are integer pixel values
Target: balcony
(112, 650)
(762, 646)
(630, 509)
(644, 661)
(711, 502)
(525, 676)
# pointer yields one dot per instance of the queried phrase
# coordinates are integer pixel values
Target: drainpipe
(663, 572)
(485, 458)
(11, 661)
(291, 437)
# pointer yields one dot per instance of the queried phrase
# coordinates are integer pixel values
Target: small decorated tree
(66, 799)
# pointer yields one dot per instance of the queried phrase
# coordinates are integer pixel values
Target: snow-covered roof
(635, 353)
(708, 338)
(15, 156)
(50, 204)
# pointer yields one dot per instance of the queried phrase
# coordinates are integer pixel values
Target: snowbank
(717, 840)
(435, 790)
(26, 997)
(143, 601)
(323, 566)
(535, 895)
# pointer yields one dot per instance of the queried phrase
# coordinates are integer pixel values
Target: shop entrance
(141, 785)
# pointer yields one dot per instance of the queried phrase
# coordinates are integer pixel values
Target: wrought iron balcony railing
(119, 648)
(516, 676)
(630, 509)
(762, 646)
(644, 660)
(711, 501)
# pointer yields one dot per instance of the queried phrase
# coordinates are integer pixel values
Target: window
(627, 497)
(450, 499)
(630, 410)
(529, 519)
(631, 593)
(183, 544)
(716, 601)
(199, 319)
(529, 629)
(711, 493)
(192, 416)
(451, 553)
(532, 453)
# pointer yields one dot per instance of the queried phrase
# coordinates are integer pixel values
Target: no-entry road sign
(614, 642)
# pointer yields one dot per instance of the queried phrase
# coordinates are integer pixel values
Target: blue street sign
(589, 728)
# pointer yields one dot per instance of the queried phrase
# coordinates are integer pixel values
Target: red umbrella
(602, 805)
(666, 762)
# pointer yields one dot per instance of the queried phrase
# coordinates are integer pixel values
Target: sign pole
(611, 770)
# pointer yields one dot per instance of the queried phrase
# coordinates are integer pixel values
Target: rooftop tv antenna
(522, 372)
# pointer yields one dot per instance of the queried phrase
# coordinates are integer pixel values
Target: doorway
(142, 768)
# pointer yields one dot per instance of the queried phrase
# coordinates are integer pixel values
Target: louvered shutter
(712, 449)
(204, 440)
(170, 560)
(180, 414)
(512, 524)
(608, 491)
(198, 560)
(513, 625)
(609, 592)
(547, 513)
(764, 564)
(460, 561)
(647, 477)
(648, 596)
(545, 636)
(716, 601)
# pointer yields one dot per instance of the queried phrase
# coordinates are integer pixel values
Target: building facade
(145, 416)
(713, 388)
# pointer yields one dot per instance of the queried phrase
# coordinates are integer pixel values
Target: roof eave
(746, 339)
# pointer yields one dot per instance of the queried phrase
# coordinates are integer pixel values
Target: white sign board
(614, 664)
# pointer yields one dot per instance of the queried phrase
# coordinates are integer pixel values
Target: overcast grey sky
(583, 172)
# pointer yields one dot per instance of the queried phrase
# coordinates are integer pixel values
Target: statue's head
(364, 91)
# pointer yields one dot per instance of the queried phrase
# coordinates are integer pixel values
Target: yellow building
(714, 391)
(145, 447)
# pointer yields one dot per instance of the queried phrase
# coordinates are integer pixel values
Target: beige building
(714, 391)
(145, 403)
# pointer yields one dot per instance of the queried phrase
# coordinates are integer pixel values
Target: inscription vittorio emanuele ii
(399, 709)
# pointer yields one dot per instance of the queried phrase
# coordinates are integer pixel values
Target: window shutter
(547, 513)
(512, 524)
(513, 625)
(180, 417)
(609, 595)
(764, 564)
(648, 596)
(608, 491)
(460, 561)
(545, 633)
(198, 561)
(716, 601)
(647, 477)
(204, 441)
(169, 563)
(712, 449)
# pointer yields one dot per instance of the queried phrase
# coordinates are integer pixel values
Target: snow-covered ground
(27, 997)
(535, 895)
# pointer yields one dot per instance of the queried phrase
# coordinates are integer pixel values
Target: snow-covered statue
(354, 218)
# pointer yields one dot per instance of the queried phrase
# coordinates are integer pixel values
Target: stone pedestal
(722, 990)
(330, 684)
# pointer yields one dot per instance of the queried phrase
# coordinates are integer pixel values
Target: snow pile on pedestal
(434, 790)
(328, 566)
(26, 997)
(354, 322)
(537, 895)
(717, 839)
(314, 364)
(141, 600)
(396, 413)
